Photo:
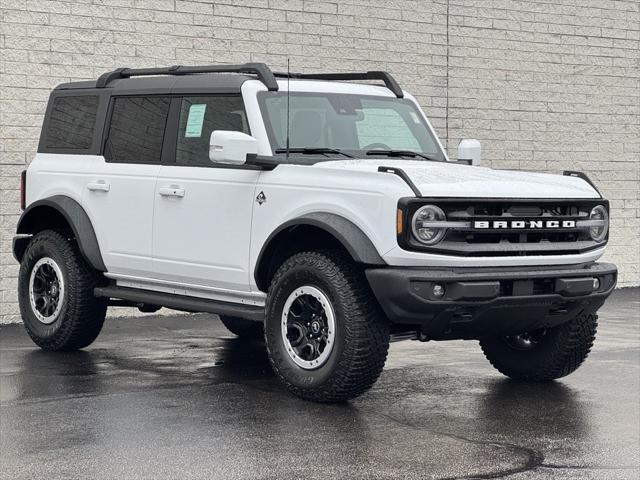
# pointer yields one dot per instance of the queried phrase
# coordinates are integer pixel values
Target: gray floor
(182, 398)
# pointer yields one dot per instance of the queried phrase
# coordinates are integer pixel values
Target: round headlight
(599, 232)
(425, 224)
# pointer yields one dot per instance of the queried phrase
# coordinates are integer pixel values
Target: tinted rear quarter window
(71, 123)
(136, 130)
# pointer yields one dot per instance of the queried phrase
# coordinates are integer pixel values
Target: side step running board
(182, 302)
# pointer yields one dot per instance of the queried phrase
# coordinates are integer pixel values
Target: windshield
(355, 124)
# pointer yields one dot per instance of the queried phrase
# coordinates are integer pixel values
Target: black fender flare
(77, 219)
(354, 240)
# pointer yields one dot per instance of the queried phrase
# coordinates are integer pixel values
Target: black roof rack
(388, 80)
(264, 73)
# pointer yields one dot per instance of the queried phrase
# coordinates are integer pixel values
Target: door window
(137, 129)
(199, 116)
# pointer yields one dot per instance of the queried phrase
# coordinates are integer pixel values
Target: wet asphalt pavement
(163, 397)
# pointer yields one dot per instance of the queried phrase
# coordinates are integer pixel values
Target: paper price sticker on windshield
(195, 120)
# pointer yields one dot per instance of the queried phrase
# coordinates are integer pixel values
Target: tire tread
(367, 330)
(84, 314)
(570, 349)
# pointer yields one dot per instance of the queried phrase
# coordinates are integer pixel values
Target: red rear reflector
(23, 189)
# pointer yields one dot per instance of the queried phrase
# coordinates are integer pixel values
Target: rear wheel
(55, 292)
(326, 336)
(545, 354)
(243, 328)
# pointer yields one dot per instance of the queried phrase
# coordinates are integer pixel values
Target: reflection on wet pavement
(183, 398)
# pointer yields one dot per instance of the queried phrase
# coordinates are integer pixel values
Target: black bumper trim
(485, 301)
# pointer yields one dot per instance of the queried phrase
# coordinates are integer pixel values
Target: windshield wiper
(401, 153)
(313, 151)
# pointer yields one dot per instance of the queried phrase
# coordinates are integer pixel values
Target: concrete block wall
(545, 85)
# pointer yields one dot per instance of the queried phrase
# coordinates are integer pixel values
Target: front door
(202, 213)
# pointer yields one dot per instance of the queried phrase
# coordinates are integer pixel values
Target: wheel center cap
(315, 326)
(54, 290)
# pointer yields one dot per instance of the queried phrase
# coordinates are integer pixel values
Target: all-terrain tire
(81, 315)
(242, 327)
(361, 338)
(559, 352)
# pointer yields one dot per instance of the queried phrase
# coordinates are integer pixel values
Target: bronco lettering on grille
(519, 224)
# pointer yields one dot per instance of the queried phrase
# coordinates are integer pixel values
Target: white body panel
(122, 217)
(53, 174)
(367, 199)
(402, 258)
(121, 212)
(447, 179)
(202, 238)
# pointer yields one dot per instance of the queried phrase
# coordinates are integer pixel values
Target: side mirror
(226, 146)
(469, 150)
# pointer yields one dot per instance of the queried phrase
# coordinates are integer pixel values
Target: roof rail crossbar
(388, 80)
(263, 72)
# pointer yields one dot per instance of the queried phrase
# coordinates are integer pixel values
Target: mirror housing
(226, 146)
(469, 150)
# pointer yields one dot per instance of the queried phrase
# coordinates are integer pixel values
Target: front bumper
(490, 301)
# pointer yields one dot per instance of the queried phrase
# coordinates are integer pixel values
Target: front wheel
(545, 354)
(326, 336)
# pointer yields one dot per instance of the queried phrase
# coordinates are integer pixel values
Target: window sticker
(195, 120)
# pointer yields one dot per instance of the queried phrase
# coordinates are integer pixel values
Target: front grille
(545, 227)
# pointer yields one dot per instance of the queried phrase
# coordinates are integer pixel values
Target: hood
(448, 179)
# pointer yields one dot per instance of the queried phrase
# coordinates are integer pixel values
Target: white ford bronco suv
(319, 213)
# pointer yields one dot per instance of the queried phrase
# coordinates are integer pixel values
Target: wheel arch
(53, 213)
(312, 230)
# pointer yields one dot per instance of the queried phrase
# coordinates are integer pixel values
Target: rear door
(120, 193)
(202, 215)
